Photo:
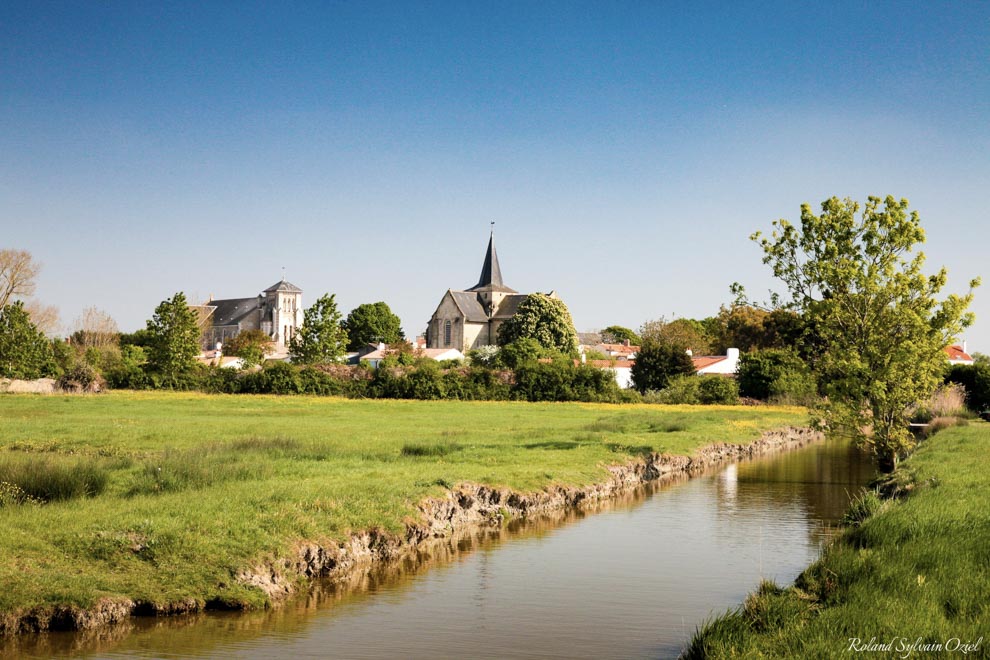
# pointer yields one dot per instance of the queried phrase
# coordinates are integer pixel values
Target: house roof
(956, 352)
(283, 286)
(703, 361)
(232, 310)
(589, 338)
(470, 306)
(491, 273)
(610, 364)
(616, 349)
(510, 305)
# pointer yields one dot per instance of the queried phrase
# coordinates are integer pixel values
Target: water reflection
(632, 581)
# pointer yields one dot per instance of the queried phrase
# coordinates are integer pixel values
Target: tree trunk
(887, 461)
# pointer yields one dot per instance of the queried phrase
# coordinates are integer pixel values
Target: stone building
(277, 312)
(468, 319)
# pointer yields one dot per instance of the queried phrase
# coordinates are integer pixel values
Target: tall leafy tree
(616, 334)
(544, 318)
(372, 323)
(173, 336)
(25, 352)
(858, 281)
(321, 339)
(681, 332)
(657, 363)
(251, 346)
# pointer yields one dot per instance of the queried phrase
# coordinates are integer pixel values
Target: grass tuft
(430, 449)
(54, 477)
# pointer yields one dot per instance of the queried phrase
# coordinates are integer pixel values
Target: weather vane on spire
(493, 226)
(283, 273)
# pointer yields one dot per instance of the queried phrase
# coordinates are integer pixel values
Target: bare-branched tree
(95, 328)
(18, 271)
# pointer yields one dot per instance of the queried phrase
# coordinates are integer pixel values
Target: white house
(621, 369)
(724, 365)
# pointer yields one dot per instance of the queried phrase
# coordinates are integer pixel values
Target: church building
(277, 312)
(469, 319)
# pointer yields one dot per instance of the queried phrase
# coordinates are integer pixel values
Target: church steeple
(491, 273)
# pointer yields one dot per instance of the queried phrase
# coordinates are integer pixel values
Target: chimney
(964, 347)
(690, 352)
(732, 354)
(584, 359)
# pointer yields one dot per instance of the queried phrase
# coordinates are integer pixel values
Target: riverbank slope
(909, 576)
(158, 503)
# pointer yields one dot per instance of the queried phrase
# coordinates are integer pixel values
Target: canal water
(633, 580)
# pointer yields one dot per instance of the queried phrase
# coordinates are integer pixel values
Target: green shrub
(561, 380)
(714, 389)
(520, 352)
(221, 380)
(682, 389)
(274, 378)
(425, 382)
(25, 352)
(658, 363)
(775, 372)
(129, 373)
(314, 381)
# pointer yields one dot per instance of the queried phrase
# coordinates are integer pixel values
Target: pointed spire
(491, 274)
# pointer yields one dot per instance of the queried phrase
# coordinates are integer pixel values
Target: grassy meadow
(163, 497)
(908, 569)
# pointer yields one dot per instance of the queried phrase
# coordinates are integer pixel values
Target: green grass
(170, 495)
(915, 567)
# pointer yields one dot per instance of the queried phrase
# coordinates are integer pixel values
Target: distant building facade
(277, 311)
(468, 319)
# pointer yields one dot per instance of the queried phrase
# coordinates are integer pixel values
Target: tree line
(858, 334)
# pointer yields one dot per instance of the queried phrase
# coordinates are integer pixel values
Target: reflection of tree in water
(816, 483)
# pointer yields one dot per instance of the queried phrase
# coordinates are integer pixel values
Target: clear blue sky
(626, 150)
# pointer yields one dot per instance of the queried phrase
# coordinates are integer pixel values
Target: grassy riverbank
(163, 497)
(914, 573)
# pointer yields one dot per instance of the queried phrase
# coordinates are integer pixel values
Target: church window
(446, 333)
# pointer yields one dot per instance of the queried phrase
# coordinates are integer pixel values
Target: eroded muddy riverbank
(632, 582)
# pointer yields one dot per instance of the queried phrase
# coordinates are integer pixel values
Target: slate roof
(491, 273)
(589, 338)
(470, 306)
(510, 305)
(232, 310)
(284, 286)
